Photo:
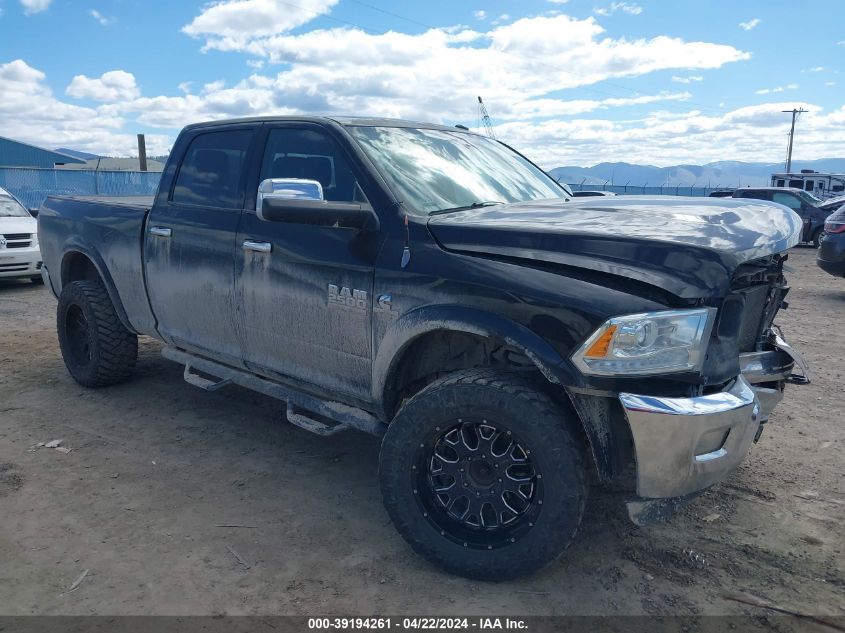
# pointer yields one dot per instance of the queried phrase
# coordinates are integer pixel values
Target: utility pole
(142, 152)
(795, 112)
(485, 118)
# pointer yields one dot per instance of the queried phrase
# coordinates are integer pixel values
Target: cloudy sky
(566, 81)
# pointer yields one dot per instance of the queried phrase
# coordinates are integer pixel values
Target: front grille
(752, 322)
(18, 240)
(13, 268)
(757, 292)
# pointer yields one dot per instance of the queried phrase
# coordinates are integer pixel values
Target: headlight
(664, 342)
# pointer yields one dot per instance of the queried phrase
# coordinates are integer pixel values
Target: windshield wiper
(474, 205)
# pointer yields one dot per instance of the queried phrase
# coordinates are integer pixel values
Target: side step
(300, 418)
(203, 383)
(328, 417)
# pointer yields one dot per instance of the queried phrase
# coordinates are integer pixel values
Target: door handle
(161, 231)
(259, 247)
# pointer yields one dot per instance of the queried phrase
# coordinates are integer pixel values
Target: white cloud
(115, 85)
(480, 14)
(840, 43)
(830, 83)
(102, 19)
(816, 69)
(239, 20)
(626, 7)
(765, 91)
(35, 6)
(544, 108)
(752, 133)
(501, 19)
(349, 71)
(747, 26)
(687, 80)
(558, 1)
(523, 70)
(29, 112)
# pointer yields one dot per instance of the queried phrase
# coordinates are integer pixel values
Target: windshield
(810, 198)
(438, 170)
(11, 208)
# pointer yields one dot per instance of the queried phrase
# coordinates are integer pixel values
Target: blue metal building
(18, 154)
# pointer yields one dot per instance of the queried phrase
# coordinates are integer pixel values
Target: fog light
(712, 441)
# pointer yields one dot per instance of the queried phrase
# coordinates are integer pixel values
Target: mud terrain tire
(97, 349)
(509, 529)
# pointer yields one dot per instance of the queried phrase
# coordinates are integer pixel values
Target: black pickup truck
(513, 348)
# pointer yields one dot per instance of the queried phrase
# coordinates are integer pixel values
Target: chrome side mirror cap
(287, 189)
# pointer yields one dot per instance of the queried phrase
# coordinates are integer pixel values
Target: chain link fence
(645, 190)
(32, 186)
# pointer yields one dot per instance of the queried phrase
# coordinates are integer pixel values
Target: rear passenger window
(210, 175)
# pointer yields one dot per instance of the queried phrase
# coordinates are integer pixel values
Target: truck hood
(687, 246)
(18, 225)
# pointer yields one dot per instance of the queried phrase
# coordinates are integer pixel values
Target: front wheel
(484, 475)
(97, 349)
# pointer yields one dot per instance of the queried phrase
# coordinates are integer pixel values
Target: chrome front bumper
(684, 445)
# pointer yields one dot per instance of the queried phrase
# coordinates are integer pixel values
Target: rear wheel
(483, 475)
(97, 349)
(817, 238)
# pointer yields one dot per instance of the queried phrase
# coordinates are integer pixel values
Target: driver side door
(305, 290)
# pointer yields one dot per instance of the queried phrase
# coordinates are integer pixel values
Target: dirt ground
(158, 469)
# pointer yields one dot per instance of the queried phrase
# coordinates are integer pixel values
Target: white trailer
(820, 185)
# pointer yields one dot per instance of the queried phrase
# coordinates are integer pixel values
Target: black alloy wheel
(479, 484)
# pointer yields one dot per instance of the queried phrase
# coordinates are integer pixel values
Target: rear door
(792, 201)
(189, 245)
(306, 291)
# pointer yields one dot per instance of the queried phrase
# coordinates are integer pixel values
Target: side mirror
(288, 189)
(297, 201)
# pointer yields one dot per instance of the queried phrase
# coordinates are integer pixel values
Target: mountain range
(719, 174)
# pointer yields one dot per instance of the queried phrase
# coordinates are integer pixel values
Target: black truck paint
(366, 318)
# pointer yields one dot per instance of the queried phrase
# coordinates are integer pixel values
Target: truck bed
(108, 232)
(144, 203)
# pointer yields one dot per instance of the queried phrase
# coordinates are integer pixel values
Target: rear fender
(75, 247)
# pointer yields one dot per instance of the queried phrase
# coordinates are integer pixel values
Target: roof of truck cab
(341, 120)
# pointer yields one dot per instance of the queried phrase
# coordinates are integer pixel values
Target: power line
(395, 15)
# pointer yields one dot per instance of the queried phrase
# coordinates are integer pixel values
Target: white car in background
(19, 252)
